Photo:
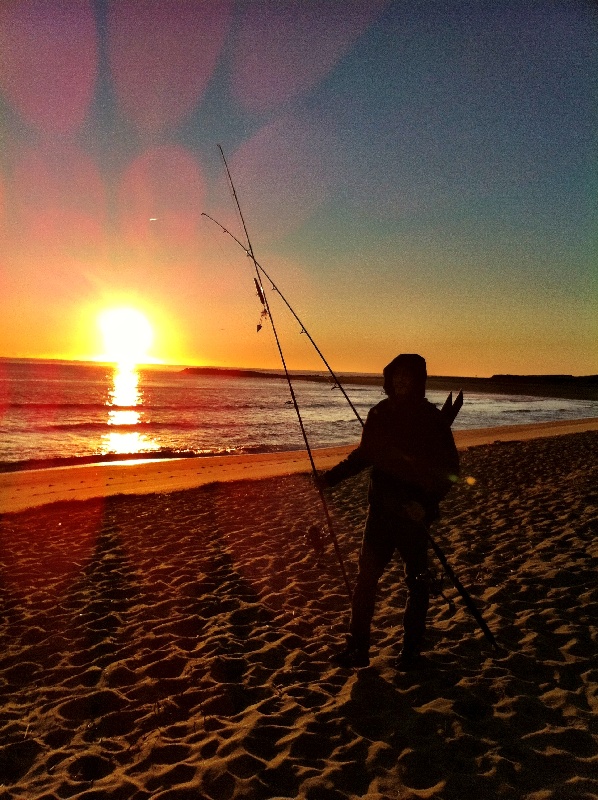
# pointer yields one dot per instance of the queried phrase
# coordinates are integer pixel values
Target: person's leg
(376, 551)
(413, 548)
(364, 595)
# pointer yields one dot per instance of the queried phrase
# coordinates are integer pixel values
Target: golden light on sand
(127, 335)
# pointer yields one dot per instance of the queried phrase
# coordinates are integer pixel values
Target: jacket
(410, 447)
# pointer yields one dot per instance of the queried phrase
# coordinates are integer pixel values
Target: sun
(127, 334)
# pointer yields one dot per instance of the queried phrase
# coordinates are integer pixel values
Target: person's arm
(352, 465)
(356, 461)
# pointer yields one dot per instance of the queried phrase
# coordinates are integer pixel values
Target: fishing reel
(434, 581)
(435, 585)
(315, 540)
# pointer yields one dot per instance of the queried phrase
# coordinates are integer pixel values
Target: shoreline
(25, 489)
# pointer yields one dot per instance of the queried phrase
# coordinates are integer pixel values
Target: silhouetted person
(409, 445)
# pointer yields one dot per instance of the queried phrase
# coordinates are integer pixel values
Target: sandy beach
(176, 644)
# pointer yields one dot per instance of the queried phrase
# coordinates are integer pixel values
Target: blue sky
(415, 176)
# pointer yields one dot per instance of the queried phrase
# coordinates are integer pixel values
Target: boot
(410, 658)
(353, 655)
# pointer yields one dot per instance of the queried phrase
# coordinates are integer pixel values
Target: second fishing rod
(268, 314)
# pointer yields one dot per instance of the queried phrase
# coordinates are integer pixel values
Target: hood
(412, 363)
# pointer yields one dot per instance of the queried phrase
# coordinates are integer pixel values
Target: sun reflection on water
(123, 400)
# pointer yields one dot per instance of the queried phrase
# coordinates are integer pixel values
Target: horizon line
(163, 364)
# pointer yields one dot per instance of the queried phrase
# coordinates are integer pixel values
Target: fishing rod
(450, 409)
(304, 330)
(267, 313)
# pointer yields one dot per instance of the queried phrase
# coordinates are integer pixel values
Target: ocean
(51, 411)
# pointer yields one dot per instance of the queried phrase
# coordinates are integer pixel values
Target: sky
(414, 177)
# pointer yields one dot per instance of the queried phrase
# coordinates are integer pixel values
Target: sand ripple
(176, 646)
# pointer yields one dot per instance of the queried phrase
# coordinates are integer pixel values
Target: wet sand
(175, 645)
(35, 487)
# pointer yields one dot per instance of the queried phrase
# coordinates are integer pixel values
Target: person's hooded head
(405, 377)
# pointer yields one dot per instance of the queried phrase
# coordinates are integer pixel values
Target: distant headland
(571, 387)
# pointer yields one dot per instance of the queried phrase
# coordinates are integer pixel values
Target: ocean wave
(144, 426)
(216, 406)
(55, 406)
(97, 407)
(140, 455)
(94, 458)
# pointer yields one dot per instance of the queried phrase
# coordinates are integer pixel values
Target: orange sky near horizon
(356, 329)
